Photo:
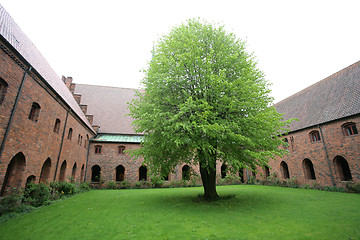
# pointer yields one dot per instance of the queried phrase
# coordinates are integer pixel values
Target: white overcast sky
(108, 42)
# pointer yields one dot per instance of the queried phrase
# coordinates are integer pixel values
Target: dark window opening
(309, 171)
(143, 173)
(82, 172)
(34, 112)
(284, 170)
(95, 173)
(315, 136)
(120, 173)
(121, 150)
(70, 134)
(342, 168)
(350, 129)
(223, 170)
(98, 149)
(3, 90)
(186, 172)
(241, 174)
(57, 126)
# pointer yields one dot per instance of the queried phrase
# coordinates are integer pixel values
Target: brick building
(53, 129)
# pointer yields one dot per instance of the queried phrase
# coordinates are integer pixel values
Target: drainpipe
(327, 156)
(62, 143)
(87, 157)
(13, 112)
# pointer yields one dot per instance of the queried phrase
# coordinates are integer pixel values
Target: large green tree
(205, 102)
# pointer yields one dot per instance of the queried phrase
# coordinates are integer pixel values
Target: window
(86, 141)
(57, 126)
(223, 170)
(98, 149)
(34, 112)
(79, 139)
(266, 171)
(3, 89)
(315, 136)
(143, 173)
(121, 150)
(286, 143)
(185, 172)
(349, 129)
(70, 134)
(308, 169)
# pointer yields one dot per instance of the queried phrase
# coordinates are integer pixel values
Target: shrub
(11, 203)
(37, 194)
(84, 186)
(63, 188)
(353, 187)
(112, 185)
(124, 184)
(157, 182)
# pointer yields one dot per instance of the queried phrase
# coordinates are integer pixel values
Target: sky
(109, 42)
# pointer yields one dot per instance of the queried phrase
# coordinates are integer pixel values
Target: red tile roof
(335, 97)
(22, 44)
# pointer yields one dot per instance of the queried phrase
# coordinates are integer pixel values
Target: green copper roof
(118, 138)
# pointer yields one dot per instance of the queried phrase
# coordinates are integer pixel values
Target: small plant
(353, 187)
(84, 186)
(112, 185)
(37, 194)
(124, 184)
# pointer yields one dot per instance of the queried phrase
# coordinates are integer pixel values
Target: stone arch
(120, 173)
(45, 171)
(82, 172)
(284, 170)
(308, 168)
(73, 172)
(223, 170)
(185, 172)
(30, 179)
(143, 173)
(95, 173)
(62, 174)
(343, 169)
(14, 173)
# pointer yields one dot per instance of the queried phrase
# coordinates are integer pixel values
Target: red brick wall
(37, 140)
(336, 143)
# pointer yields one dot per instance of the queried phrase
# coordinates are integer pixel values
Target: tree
(204, 102)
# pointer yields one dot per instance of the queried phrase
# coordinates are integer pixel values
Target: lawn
(246, 212)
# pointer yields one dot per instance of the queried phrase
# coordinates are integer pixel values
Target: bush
(157, 182)
(63, 188)
(112, 185)
(353, 187)
(37, 194)
(124, 184)
(11, 203)
(84, 187)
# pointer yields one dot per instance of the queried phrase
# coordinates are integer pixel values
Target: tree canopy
(205, 102)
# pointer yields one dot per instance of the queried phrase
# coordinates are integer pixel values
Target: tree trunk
(208, 177)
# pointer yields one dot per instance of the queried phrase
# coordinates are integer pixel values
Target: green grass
(256, 212)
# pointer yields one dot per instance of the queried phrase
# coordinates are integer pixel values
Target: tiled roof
(109, 107)
(18, 40)
(118, 138)
(335, 97)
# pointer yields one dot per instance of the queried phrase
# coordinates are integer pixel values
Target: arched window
(308, 168)
(266, 171)
(57, 126)
(342, 168)
(70, 134)
(143, 173)
(73, 173)
(45, 171)
(62, 174)
(241, 174)
(82, 173)
(121, 150)
(223, 170)
(120, 173)
(314, 136)
(349, 129)
(286, 143)
(185, 172)
(98, 149)
(34, 112)
(86, 141)
(95, 173)
(14, 174)
(3, 89)
(79, 139)
(284, 170)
